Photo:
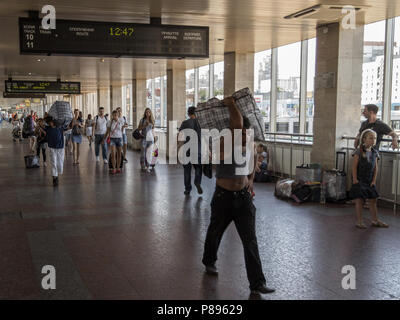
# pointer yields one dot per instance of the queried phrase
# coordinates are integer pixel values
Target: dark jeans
(187, 172)
(228, 206)
(38, 148)
(97, 143)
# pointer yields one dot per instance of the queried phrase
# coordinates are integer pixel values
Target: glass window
(310, 85)
(395, 109)
(373, 64)
(204, 83)
(164, 102)
(288, 86)
(262, 84)
(189, 88)
(157, 100)
(219, 80)
(149, 94)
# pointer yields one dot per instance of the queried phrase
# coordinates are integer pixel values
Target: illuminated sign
(56, 87)
(91, 38)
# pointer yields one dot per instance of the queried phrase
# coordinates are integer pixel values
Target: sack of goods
(309, 173)
(213, 114)
(334, 182)
(31, 161)
(283, 188)
(61, 112)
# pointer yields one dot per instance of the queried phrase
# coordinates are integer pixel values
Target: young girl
(89, 129)
(365, 170)
(114, 131)
(146, 125)
(76, 137)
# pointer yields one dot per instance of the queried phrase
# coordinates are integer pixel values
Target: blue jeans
(143, 159)
(97, 143)
(187, 172)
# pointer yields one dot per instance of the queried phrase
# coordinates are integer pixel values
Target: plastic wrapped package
(61, 112)
(334, 182)
(309, 173)
(283, 188)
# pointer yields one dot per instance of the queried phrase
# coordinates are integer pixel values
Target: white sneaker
(97, 159)
(105, 161)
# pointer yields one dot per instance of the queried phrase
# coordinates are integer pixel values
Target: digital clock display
(56, 87)
(91, 38)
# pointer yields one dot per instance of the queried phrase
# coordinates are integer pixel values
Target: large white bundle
(61, 112)
(213, 114)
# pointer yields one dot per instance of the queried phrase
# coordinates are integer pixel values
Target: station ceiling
(243, 26)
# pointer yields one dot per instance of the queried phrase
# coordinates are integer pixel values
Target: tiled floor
(135, 236)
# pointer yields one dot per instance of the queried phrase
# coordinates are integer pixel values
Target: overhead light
(38, 60)
(30, 73)
(102, 60)
(220, 39)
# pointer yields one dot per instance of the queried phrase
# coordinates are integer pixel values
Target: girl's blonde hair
(151, 115)
(362, 136)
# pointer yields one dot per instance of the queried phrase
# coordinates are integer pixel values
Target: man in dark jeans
(192, 123)
(232, 202)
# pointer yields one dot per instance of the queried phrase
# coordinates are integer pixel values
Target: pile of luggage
(313, 185)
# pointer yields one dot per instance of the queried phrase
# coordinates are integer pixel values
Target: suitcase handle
(344, 160)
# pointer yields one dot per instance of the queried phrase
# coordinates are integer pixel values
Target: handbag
(137, 134)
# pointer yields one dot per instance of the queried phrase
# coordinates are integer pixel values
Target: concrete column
(238, 72)
(176, 98)
(337, 90)
(116, 97)
(103, 99)
(138, 100)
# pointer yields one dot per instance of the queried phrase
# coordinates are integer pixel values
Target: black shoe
(212, 270)
(199, 189)
(263, 289)
(55, 181)
(186, 193)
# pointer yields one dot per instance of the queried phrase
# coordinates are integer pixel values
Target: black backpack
(27, 128)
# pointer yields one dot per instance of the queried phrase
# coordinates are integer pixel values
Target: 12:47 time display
(118, 32)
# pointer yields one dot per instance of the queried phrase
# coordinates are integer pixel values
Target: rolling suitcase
(110, 162)
(334, 182)
(309, 173)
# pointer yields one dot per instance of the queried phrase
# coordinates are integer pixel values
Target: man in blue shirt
(55, 141)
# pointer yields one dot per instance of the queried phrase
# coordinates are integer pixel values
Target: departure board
(92, 38)
(24, 95)
(56, 87)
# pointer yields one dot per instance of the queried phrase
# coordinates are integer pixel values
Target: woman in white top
(89, 129)
(114, 131)
(146, 125)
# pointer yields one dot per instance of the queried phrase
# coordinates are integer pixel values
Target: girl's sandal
(379, 224)
(361, 226)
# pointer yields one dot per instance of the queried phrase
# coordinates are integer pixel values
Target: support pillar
(337, 90)
(176, 101)
(103, 99)
(238, 72)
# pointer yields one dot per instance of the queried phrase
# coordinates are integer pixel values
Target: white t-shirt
(123, 121)
(101, 125)
(115, 128)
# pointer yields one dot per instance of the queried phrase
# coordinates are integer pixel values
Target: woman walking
(76, 137)
(146, 125)
(89, 129)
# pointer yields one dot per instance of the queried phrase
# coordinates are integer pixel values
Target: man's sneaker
(125, 160)
(186, 193)
(199, 189)
(97, 159)
(105, 161)
(212, 270)
(263, 289)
